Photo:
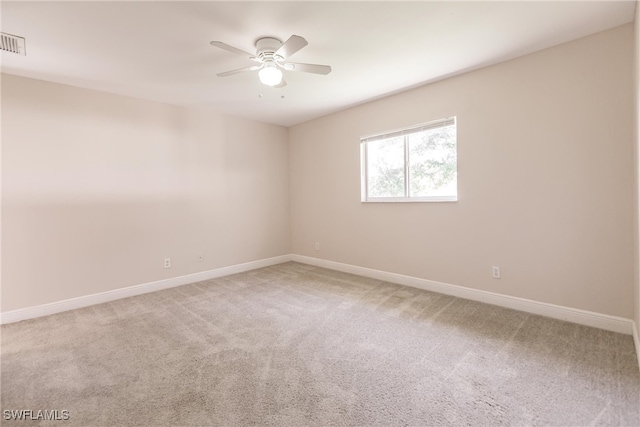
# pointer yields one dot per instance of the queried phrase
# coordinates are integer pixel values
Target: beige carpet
(298, 345)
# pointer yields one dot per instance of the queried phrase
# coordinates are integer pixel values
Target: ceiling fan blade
(281, 84)
(309, 68)
(239, 70)
(291, 46)
(232, 49)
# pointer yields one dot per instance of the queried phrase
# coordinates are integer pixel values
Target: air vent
(13, 44)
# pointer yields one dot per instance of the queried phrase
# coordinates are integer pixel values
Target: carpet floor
(298, 345)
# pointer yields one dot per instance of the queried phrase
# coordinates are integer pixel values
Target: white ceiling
(160, 50)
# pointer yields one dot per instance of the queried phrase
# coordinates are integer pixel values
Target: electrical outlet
(200, 258)
(495, 272)
(167, 263)
(317, 246)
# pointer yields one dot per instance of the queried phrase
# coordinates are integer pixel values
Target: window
(416, 164)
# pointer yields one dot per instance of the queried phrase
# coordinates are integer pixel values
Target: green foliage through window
(418, 163)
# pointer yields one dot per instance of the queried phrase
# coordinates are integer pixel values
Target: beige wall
(546, 180)
(98, 189)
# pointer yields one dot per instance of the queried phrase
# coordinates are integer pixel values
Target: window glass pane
(385, 167)
(433, 162)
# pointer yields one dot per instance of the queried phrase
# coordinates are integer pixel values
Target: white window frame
(364, 197)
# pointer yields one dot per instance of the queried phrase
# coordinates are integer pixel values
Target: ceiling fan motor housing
(266, 48)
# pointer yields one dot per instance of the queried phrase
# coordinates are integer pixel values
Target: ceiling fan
(271, 56)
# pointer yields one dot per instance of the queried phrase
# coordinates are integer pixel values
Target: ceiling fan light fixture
(270, 75)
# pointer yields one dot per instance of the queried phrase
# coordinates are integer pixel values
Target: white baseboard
(636, 341)
(582, 317)
(102, 297)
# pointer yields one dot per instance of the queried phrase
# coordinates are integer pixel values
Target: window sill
(411, 199)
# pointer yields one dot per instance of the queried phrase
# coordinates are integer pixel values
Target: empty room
(325, 213)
